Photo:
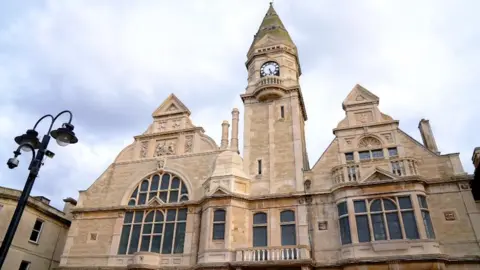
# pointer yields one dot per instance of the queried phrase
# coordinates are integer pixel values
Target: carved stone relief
(162, 126)
(161, 163)
(144, 149)
(348, 141)
(165, 148)
(172, 108)
(189, 144)
(364, 117)
(449, 215)
(176, 124)
(369, 142)
(322, 225)
(359, 98)
(388, 137)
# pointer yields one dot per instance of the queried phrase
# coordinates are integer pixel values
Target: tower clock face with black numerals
(270, 68)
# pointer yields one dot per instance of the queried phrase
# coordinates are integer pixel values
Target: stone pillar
(224, 142)
(234, 141)
(427, 135)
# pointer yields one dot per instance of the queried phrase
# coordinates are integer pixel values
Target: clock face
(270, 69)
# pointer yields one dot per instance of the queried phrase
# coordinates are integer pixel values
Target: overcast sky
(113, 62)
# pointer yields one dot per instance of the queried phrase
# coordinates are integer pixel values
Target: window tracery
(369, 142)
(167, 187)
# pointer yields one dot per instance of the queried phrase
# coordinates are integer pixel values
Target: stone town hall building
(376, 198)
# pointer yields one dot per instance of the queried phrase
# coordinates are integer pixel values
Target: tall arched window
(260, 235)
(167, 187)
(287, 225)
(157, 230)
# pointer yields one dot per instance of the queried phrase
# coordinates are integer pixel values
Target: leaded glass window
(161, 231)
(343, 221)
(166, 187)
(427, 221)
(219, 224)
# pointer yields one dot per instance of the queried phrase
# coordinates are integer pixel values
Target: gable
(359, 95)
(171, 105)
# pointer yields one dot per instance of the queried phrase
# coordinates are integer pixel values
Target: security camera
(12, 163)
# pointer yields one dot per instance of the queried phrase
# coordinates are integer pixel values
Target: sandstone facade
(376, 198)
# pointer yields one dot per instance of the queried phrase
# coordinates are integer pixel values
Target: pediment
(220, 191)
(379, 175)
(171, 105)
(359, 95)
(155, 201)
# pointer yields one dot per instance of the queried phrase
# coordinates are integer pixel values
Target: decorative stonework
(189, 144)
(359, 98)
(176, 124)
(369, 142)
(165, 148)
(144, 150)
(348, 141)
(388, 137)
(449, 215)
(364, 117)
(161, 163)
(464, 186)
(172, 108)
(162, 126)
(322, 225)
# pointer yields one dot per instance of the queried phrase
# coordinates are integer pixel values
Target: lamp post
(29, 142)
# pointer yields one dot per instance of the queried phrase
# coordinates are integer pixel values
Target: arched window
(167, 187)
(260, 235)
(390, 218)
(219, 224)
(158, 230)
(287, 225)
(373, 148)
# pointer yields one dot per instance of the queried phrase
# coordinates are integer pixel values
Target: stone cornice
(383, 123)
(169, 157)
(48, 210)
(296, 195)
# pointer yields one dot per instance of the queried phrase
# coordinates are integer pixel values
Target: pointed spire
(272, 26)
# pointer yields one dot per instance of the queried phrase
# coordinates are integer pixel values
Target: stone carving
(189, 144)
(360, 98)
(162, 126)
(348, 141)
(176, 124)
(144, 150)
(364, 117)
(464, 186)
(369, 142)
(161, 163)
(449, 215)
(322, 225)
(164, 149)
(388, 137)
(172, 108)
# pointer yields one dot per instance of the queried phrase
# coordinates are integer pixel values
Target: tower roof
(273, 27)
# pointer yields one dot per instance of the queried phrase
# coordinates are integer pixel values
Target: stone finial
(476, 157)
(234, 141)
(427, 136)
(224, 142)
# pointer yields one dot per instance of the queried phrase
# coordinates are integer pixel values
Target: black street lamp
(29, 142)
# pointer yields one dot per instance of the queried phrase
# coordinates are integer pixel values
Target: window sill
(33, 242)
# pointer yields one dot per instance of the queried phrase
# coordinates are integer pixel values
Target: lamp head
(31, 138)
(64, 135)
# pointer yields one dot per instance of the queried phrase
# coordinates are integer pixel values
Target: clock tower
(274, 137)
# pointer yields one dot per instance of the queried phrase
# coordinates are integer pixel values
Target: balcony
(354, 172)
(272, 254)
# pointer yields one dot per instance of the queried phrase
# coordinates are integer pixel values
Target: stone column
(224, 142)
(234, 141)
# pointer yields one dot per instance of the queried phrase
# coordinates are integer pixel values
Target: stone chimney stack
(224, 142)
(476, 157)
(234, 142)
(427, 135)
(67, 208)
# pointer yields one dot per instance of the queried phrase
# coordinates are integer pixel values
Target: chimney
(476, 157)
(234, 142)
(427, 135)
(67, 207)
(224, 142)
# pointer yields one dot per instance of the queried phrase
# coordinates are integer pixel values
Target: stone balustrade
(270, 80)
(352, 171)
(272, 254)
